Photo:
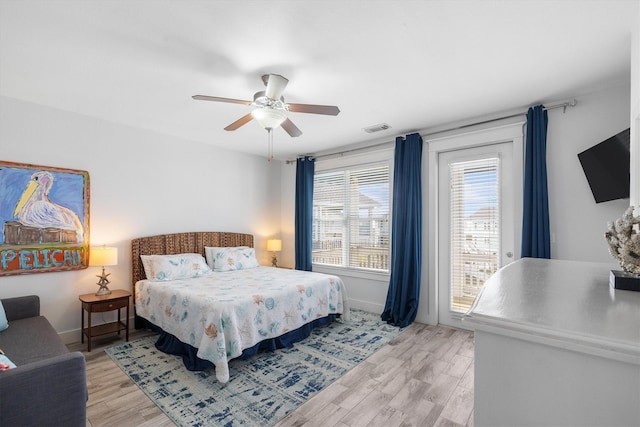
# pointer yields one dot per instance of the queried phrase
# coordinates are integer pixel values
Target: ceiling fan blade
(290, 128)
(241, 121)
(275, 86)
(218, 99)
(329, 110)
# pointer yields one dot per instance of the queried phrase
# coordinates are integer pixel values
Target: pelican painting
(34, 209)
(44, 219)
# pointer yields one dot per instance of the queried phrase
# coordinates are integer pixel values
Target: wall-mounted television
(606, 166)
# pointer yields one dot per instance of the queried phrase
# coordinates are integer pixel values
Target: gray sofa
(48, 387)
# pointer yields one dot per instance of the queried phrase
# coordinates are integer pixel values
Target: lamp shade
(269, 118)
(274, 245)
(102, 256)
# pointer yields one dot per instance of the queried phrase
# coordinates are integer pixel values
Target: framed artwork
(44, 219)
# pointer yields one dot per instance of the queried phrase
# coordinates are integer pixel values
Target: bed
(240, 308)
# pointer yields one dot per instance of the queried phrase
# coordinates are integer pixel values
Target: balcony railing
(474, 269)
(361, 256)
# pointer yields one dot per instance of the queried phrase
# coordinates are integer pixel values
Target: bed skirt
(169, 344)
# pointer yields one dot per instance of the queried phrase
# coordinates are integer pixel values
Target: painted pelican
(34, 208)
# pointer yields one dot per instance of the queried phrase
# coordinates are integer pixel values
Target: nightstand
(91, 303)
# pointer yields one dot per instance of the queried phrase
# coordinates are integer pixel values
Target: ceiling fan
(271, 109)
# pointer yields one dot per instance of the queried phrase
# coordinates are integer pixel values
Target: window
(351, 217)
(475, 228)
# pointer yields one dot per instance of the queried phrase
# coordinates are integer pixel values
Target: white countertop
(564, 303)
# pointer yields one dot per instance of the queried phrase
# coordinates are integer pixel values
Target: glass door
(475, 218)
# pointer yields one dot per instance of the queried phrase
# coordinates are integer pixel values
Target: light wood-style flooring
(424, 377)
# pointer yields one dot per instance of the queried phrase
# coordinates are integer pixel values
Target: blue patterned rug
(261, 390)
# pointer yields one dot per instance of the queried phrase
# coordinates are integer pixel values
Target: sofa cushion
(21, 307)
(31, 339)
(51, 392)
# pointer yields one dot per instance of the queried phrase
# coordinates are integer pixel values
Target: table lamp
(274, 245)
(102, 256)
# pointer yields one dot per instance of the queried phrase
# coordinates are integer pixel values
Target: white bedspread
(227, 312)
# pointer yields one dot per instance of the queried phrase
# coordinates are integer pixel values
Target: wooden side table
(91, 303)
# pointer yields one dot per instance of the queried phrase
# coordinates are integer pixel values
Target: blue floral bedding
(224, 313)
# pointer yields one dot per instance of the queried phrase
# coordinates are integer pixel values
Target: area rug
(263, 389)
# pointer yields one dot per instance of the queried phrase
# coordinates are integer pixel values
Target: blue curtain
(536, 242)
(304, 212)
(406, 239)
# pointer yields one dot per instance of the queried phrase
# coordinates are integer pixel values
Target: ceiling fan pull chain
(270, 143)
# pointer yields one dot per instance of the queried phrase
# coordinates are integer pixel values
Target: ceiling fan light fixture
(269, 118)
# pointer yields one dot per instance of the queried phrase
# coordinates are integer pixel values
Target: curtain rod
(562, 105)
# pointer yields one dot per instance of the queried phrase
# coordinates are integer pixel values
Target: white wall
(635, 113)
(141, 183)
(287, 221)
(577, 222)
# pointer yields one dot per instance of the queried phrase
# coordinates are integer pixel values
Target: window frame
(383, 156)
(509, 130)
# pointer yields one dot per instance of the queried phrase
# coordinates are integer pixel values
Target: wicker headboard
(180, 243)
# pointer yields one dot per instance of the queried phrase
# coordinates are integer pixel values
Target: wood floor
(424, 377)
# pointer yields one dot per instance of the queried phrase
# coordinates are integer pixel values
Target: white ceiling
(411, 64)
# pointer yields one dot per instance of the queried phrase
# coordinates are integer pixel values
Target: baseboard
(366, 306)
(70, 337)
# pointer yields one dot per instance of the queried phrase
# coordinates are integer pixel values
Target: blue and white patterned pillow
(173, 267)
(230, 259)
(4, 359)
(4, 323)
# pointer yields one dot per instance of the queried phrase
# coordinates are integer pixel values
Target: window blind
(474, 227)
(351, 218)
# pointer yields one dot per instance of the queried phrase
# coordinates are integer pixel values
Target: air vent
(377, 128)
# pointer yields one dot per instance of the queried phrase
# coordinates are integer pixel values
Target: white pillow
(230, 259)
(172, 267)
